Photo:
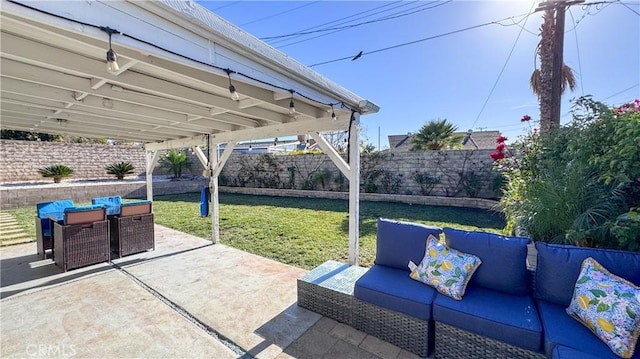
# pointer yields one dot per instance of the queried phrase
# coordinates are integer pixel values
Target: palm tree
(435, 135)
(541, 79)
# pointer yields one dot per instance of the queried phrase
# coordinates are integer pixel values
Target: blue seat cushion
(393, 289)
(565, 259)
(561, 329)
(490, 313)
(397, 243)
(504, 259)
(84, 208)
(562, 352)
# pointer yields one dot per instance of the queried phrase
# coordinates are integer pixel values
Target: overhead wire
(629, 7)
(340, 21)
(280, 13)
(495, 84)
(575, 32)
(421, 40)
(346, 25)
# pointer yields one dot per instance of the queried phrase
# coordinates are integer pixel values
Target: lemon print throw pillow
(609, 306)
(445, 269)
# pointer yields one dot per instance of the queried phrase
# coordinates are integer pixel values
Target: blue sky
(450, 76)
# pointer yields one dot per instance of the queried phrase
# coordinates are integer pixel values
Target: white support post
(354, 189)
(151, 158)
(214, 204)
(201, 157)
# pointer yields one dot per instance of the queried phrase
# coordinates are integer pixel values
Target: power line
(227, 5)
(575, 32)
(422, 40)
(629, 7)
(495, 84)
(280, 13)
(389, 17)
(381, 19)
(338, 21)
(622, 91)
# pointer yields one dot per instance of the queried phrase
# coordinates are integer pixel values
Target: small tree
(120, 169)
(175, 161)
(58, 172)
(435, 135)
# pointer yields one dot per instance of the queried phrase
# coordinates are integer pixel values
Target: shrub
(120, 169)
(426, 182)
(58, 172)
(175, 161)
(574, 185)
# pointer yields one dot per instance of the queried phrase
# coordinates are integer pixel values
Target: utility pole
(559, 7)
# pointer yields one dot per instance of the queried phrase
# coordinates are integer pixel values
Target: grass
(300, 231)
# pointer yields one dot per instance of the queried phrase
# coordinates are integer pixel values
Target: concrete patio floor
(186, 299)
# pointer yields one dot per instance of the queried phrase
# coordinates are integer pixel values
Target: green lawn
(299, 231)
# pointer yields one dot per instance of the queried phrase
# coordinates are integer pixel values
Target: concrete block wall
(20, 160)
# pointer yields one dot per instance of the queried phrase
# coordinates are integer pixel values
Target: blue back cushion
(112, 203)
(397, 243)
(503, 267)
(52, 207)
(559, 266)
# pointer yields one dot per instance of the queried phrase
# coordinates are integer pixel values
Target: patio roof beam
(332, 153)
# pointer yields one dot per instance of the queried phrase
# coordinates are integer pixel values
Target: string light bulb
(232, 89)
(292, 106)
(275, 141)
(112, 57)
(333, 114)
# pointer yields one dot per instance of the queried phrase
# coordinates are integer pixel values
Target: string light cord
(222, 69)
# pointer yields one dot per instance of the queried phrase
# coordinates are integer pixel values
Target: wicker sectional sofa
(507, 310)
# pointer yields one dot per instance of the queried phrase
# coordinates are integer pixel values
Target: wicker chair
(132, 231)
(83, 238)
(44, 228)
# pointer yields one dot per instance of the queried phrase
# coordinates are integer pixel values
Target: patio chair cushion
(393, 289)
(84, 214)
(490, 313)
(44, 208)
(112, 203)
(503, 259)
(561, 329)
(397, 243)
(84, 208)
(609, 306)
(567, 260)
(562, 352)
(445, 269)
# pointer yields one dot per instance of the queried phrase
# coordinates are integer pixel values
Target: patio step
(11, 232)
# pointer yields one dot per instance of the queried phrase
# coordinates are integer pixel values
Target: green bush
(572, 184)
(175, 161)
(120, 169)
(58, 172)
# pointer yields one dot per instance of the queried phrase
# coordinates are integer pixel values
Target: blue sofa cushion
(113, 203)
(43, 208)
(562, 352)
(397, 243)
(554, 259)
(561, 329)
(393, 289)
(504, 317)
(504, 266)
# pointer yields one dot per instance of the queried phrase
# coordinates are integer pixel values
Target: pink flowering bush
(573, 184)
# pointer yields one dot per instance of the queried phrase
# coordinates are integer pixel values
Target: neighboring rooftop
(485, 140)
